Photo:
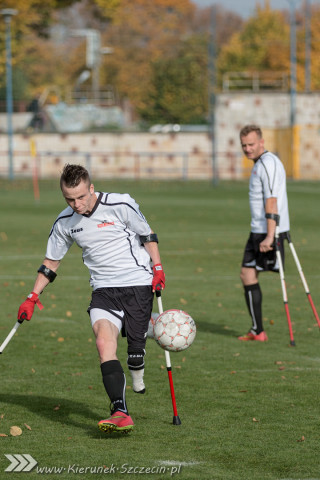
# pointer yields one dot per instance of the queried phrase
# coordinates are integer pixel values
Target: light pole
(211, 91)
(308, 47)
(7, 15)
(293, 62)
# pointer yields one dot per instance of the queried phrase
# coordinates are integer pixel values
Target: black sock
(253, 297)
(114, 381)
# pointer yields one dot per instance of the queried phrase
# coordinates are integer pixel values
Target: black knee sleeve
(136, 359)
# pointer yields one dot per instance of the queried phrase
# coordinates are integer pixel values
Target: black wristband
(149, 238)
(50, 274)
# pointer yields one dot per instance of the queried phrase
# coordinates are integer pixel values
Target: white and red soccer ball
(174, 330)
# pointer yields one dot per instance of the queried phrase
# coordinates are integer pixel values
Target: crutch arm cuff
(273, 216)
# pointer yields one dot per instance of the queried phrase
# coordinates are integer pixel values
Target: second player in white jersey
(268, 202)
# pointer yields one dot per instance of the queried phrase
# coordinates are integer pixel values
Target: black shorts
(261, 261)
(135, 303)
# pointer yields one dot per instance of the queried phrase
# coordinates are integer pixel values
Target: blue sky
(246, 8)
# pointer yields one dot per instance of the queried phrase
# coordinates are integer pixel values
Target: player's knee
(136, 359)
(104, 344)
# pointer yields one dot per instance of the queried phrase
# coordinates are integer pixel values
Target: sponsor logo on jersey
(76, 230)
(105, 223)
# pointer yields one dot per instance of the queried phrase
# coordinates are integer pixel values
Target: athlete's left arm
(158, 273)
(153, 251)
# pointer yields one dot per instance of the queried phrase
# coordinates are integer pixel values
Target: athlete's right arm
(26, 309)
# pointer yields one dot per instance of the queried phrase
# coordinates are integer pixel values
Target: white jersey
(268, 179)
(110, 240)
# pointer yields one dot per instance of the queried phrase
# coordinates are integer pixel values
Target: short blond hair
(250, 128)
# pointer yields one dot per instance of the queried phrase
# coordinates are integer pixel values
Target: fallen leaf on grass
(243, 391)
(233, 372)
(302, 439)
(183, 301)
(57, 407)
(69, 313)
(255, 420)
(60, 339)
(15, 431)
(281, 368)
(27, 426)
(3, 435)
(2, 416)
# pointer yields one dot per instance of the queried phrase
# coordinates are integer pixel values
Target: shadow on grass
(60, 410)
(216, 329)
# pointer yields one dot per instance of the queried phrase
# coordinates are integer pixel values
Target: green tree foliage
(261, 45)
(178, 87)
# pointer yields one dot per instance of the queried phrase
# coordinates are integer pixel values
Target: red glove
(27, 307)
(159, 279)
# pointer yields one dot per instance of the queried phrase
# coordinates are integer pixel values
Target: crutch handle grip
(23, 316)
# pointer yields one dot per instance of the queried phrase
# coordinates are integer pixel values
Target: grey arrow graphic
(13, 460)
(23, 462)
(32, 462)
(20, 462)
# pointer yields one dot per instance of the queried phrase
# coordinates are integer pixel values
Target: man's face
(81, 198)
(252, 145)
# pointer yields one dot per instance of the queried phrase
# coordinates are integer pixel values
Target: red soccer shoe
(262, 337)
(118, 422)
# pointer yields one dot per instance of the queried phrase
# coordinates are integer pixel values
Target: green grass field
(248, 411)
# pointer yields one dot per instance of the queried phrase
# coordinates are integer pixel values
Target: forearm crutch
(176, 419)
(276, 217)
(303, 278)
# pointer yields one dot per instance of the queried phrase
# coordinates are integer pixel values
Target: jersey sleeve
(132, 216)
(271, 177)
(59, 241)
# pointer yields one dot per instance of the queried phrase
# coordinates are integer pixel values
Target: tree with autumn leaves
(160, 50)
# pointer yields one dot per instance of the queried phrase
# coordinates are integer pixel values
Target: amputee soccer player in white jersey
(117, 245)
(267, 196)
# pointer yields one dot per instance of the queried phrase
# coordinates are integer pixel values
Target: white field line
(173, 463)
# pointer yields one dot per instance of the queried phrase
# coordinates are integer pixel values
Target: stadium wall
(182, 155)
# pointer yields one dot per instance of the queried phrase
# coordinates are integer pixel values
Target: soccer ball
(174, 330)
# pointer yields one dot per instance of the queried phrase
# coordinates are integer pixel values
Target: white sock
(137, 380)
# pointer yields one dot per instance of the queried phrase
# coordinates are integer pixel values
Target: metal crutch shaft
(303, 278)
(176, 419)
